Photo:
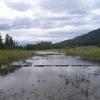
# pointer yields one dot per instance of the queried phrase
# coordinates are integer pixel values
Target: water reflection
(52, 82)
(6, 69)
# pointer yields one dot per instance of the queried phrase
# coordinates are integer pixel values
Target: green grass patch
(89, 52)
(7, 56)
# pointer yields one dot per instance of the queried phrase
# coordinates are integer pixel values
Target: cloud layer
(52, 20)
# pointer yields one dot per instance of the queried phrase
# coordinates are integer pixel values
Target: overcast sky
(52, 20)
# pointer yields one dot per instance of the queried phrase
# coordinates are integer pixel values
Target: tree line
(43, 45)
(8, 43)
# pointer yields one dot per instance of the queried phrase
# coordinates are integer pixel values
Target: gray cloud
(19, 6)
(5, 24)
(22, 23)
(70, 6)
(47, 22)
(78, 10)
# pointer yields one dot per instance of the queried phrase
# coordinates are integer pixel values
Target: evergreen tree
(9, 42)
(1, 42)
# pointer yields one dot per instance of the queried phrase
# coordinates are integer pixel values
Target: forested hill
(91, 38)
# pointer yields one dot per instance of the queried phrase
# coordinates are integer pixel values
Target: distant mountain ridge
(91, 38)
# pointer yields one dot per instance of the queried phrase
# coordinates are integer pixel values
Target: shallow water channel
(50, 76)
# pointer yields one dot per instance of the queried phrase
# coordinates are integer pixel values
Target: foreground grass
(7, 56)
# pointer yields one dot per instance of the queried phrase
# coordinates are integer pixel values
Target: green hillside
(91, 38)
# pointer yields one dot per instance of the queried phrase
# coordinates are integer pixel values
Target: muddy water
(50, 76)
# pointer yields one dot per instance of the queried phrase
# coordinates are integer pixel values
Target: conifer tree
(1, 42)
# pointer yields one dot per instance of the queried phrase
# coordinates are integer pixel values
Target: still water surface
(50, 76)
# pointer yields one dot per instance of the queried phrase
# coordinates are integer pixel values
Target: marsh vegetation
(7, 56)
